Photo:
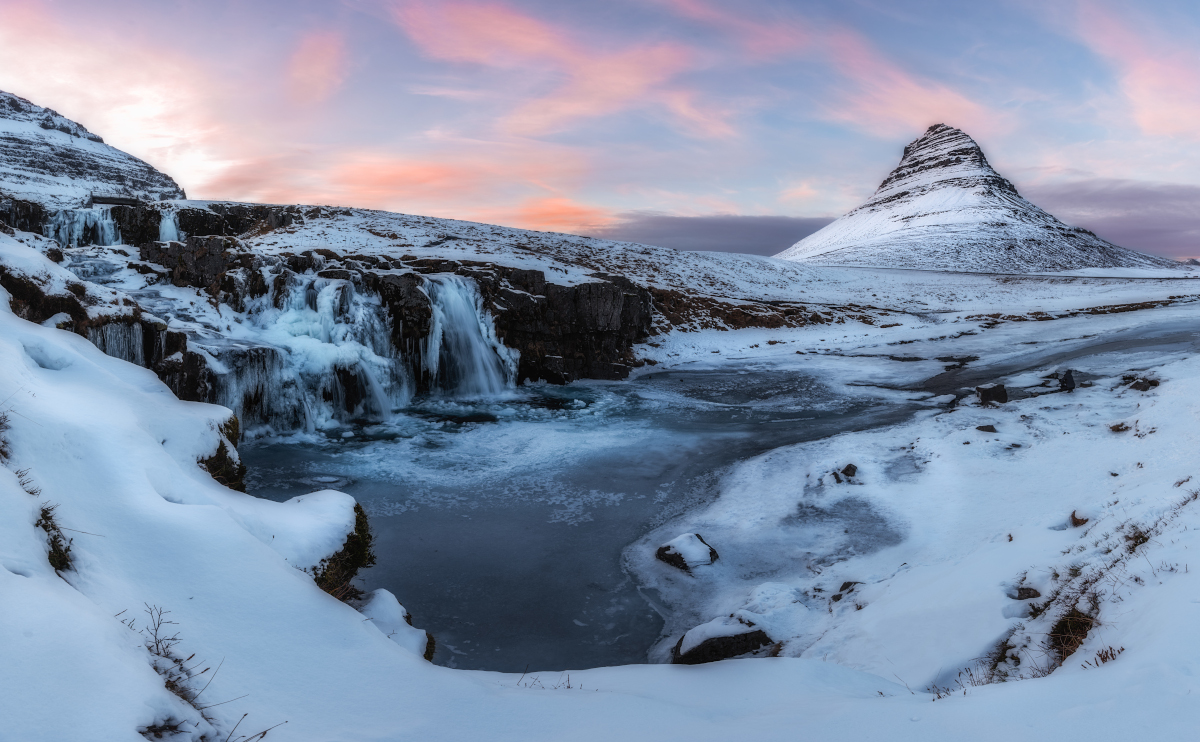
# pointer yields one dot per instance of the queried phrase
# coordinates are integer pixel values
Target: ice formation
(75, 227)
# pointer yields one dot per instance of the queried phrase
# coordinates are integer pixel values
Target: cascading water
(75, 227)
(462, 354)
(168, 226)
(329, 359)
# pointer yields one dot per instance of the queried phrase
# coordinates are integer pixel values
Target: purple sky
(691, 123)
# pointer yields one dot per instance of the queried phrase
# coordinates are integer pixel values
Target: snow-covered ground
(933, 503)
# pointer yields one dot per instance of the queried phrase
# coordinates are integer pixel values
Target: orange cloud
(885, 100)
(559, 214)
(595, 83)
(1159, 75)
(317, 67)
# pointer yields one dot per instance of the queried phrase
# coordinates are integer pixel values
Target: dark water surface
(500, 523)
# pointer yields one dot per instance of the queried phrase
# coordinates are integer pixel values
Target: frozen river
(500, 524)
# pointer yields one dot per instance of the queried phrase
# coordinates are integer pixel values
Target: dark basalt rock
(27, 216)
(1139, 383)
(586, 331)
(986, 428)
(719, 648)
(995, 394)
(407, 303)
(1027, 593)
(199, 262)
(226, 469)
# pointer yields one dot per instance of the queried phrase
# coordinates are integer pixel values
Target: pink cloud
(595, 83)
(885, 100)
(760, 38)
(1159, 74)
(143, 98)
(317, 67)
(880, 98)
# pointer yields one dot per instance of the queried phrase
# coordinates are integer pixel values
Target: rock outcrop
(563, 332)
(686, 552)
(945, 208)
(719, 639)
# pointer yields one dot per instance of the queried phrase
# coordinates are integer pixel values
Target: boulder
(1067, 382)
(719, 639)
(686, 552)
(986, 428)
(995, 394)
(1140, 383)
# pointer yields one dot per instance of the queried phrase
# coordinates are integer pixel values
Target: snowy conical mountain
(49, 159)
(945, 208)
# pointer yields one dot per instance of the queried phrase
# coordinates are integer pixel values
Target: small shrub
(4, 450)
(335, 573)
(26, 482)
(60, 545)
(1135, 538)
(1069, 633)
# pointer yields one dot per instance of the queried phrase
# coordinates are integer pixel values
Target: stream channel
(500, 523)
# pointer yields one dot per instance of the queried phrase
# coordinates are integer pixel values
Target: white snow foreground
(945, 208)
(107, 443)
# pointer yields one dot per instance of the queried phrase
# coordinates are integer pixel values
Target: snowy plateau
(930, 474)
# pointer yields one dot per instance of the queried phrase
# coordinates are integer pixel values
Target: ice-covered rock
(945, 208)
(686, 552)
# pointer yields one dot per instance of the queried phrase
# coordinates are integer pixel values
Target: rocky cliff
(48, 160)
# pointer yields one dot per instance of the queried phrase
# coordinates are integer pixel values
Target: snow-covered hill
(49, 159)
(945, 208)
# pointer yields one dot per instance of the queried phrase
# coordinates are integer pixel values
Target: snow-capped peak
(56, 162)
(945, 208)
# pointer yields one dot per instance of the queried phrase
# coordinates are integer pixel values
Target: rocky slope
(945, 208)
(49, 161)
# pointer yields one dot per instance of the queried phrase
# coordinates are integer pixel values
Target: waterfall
(76, 227)
(168, 226)
(462, 354)
(327, 359)
(119, 340)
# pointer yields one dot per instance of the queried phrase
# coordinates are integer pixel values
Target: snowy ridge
(49, 159)
(945, 208)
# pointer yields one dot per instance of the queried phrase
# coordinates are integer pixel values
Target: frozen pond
(500, 524)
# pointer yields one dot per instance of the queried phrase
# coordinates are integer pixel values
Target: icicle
(119, 340)
(462, 354)
(332, 359)
(76, 227)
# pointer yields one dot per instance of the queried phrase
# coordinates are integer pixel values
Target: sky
(698, 124)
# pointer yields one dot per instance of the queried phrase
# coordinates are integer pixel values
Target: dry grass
(59, 555)
(335, 574)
